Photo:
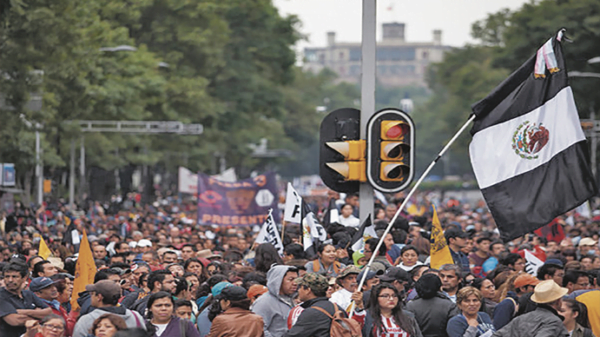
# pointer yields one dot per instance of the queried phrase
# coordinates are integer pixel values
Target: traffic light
(390, 153)
(342, 153)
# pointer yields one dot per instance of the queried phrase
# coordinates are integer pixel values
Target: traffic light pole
(367, 101)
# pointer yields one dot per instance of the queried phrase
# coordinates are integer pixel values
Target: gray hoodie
(273, 307)
(132, 319)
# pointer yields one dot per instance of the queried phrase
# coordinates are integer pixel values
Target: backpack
(340, 325)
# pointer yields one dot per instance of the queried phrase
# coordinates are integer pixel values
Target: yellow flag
(67, 220)
(85, 270)
(440, 253)
(44, 251)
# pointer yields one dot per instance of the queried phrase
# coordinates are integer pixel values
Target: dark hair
(61, 285)
(400, 318)
(158, 296)
(572, 276)
(132, 332)
(407, 248)
(254, 278)
(157, 276)
(103, 274)
(372, 242)
(216, 310)
(581, 309)
(182, 303)
(496, 242)
(19, 267)
(266, 256)
(31, 260)
(296, 250)
(181, 284)
(428, 286)
(39, 268)
(547, 269)
(478, 282)
(205, 287)
(510, 259)
(189, 261)
(115, 320)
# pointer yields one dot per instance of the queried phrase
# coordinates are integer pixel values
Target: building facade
(399, 63)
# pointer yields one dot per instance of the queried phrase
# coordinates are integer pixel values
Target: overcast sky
(421, 17)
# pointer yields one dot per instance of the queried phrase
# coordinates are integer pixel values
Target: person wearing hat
(545, 319)
(312, 321)
(587, 246)
(397, 277)
(235, 319)
(45, 289)
(348, 282)
(105, 296)
(457, 240)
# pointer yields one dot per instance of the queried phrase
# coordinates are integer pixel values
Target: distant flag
(551, 232)
(528, 152)
(439, 251)
(269, 234)
(533, 263)
(293, 206)
(44, 251)
(365, 232)
(332, 215)
(312, 231)
(85, 270)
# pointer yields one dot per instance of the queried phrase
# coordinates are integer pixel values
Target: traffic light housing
(342, 154)
(390, 151)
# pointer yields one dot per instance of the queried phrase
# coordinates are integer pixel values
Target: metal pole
(367, 105)
(39, 169)
(82, 169)
(72, 178)
(594, 140)
(412, 191)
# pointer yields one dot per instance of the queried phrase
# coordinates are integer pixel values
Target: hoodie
(273, 307)
(132, 319)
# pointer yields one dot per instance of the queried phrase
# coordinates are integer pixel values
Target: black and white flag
(293, 206)
(332, 215)
(269, 234)
(528, 151)
(312, 231)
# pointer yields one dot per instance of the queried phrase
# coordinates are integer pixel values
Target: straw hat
(548, 291)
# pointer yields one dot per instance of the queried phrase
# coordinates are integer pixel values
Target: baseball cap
(144, 243)
(525, 279)
(218, 288)
(40, 283)
(234, 293)
(371, 274)
(395, 274)
(316, 282)
(106, 288)
(454, 233)
(349, 270)
(587, 242)
(256, 290)
(555, 262)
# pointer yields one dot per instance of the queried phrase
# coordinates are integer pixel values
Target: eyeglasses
(388, 296)
(53, 327)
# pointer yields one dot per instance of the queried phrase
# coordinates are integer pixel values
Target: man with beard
(160, 280)
(18, 305)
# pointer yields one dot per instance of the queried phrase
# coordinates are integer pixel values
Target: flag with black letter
(313, 232)
(332, 215)
(364, 233)
(528, 151)
(269, 234)
(293, 206)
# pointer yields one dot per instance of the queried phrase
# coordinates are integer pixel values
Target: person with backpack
(320, 318)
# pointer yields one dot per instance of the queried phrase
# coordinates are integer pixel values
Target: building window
(341, 55)
(395, 53)
(425, 55)
(355, 54)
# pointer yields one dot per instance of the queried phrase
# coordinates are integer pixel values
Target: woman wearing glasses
(51, 326)
(385, 317)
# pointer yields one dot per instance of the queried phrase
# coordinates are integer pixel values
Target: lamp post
(39, 169)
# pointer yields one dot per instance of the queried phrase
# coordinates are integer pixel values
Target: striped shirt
(391, 328)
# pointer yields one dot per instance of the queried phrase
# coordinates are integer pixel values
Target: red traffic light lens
(397, 131)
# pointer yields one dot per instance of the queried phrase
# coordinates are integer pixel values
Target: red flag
(552, 231)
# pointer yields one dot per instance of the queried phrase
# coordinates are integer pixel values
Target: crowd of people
(161, 274)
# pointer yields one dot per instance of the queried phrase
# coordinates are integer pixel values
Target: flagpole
(412, 191)
(283, 229)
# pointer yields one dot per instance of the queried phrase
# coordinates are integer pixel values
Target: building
(399, 62)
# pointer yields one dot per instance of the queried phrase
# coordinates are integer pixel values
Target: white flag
(269, 234)
(312, 229)
(293, 206)
(532, 263)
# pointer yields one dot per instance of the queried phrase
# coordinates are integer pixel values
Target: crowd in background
(161, 274)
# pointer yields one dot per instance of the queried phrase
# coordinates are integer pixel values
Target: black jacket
(433, 314)
(312, 322)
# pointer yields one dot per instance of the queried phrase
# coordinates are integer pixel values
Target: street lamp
(39, 170)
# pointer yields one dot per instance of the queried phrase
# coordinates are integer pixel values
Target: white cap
(132, 244)
(144, 243)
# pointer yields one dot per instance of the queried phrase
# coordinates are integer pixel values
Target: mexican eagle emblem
(529, 139)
